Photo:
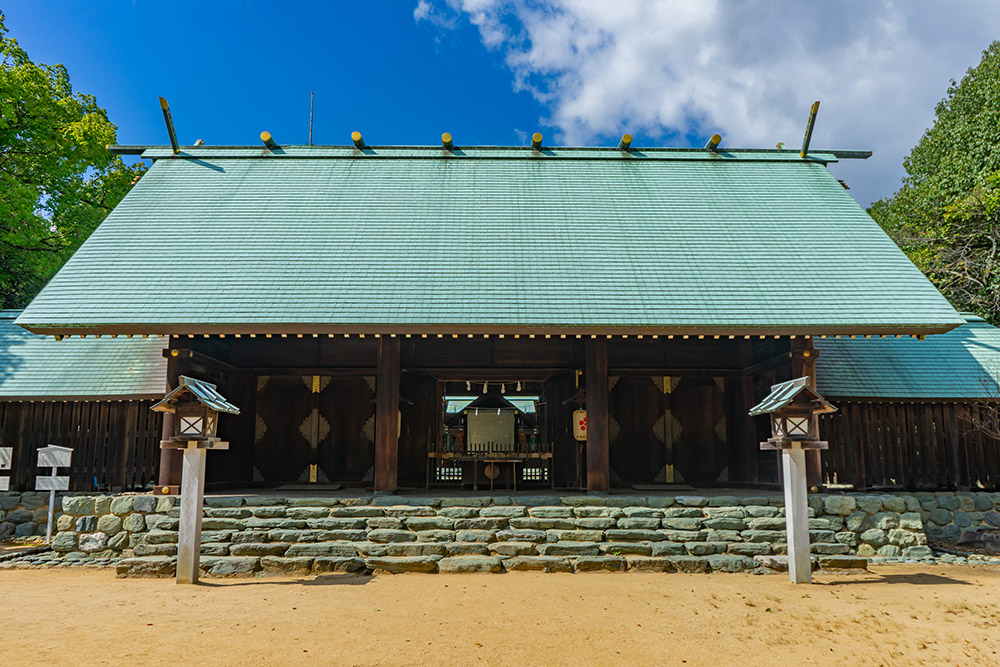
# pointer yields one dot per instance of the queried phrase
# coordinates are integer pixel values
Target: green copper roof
(41, 368)
(961, 364)
(333, 239)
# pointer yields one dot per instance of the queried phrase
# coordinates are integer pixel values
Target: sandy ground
(895, 615)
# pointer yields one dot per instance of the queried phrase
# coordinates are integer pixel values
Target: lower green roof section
(961, 365)
(34, 367)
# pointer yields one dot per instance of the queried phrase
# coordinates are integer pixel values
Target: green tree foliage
(57, 180)
(946, 216)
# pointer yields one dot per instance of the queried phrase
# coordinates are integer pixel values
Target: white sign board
(54, 456)
(6, 456)
(4, 483)
(59, 483)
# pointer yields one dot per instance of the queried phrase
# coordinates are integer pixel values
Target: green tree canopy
(946, 216)
(57, 179)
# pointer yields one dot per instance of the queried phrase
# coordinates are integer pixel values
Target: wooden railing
(909, 446)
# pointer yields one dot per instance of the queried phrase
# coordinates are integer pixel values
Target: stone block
(749, 549)
(869, 504)
(992, 517)
(224, 501)
(327, 564)
(685, 535)
(41, 515)
(401, 564)
(858, 521)
(599, 564)
(576, 535)
(389, 522)
(966, 502)
(689, 564)
(551, 512)
(839, 505)
(731, 563)
(577, 501)
(705, 548)
(109, 524)
(660, 501)
(207, 549)
(948, 501)
(667, 549)
(723, 536)
(847, 537)
(827, 548)
(279, 535)
(144, 504)
(469, 564)
(683, 512)
(626, 501)
(91, 542)
(823, 524)
(355, 512)
(475, 536)
(471, 501)
(982, 502)
(530, 523)
(467, 548)
(259, 549)
(166, 503)
(726, 523)
(760, 501)
(521, 535)
(961, 518)
(633, 535)
(767, 523)
(761, 511)
(763, 536)
(268, 512)
(919, 551)
(595, 523)
(306, 513)
(229, 512)
(155, 549)
(158, 521)
(508, 549)
(318, 549)
(626, 548)
(64, 522)
(75, 505)
(65, 541)
(232, 566)
(160, 537)
(505, 512)
(538, 564)
(389, 535)
(821, 536)
(902, 538)
(277, 565)
(874, 537)
(410, 510)
(366, 549)
(890, 551)
(84, 524)
(598, 512)
(121, 505)
(415, 549)
(27, 529)
(646, 523)
(488, 523)
(723, 501)
(345, 535)
(236, 524)
(149, 566)
(245, 536)
(459, 512)
(941, 517)
(435, 535)
(649, 564)
(691, 501)
(885, 520)
(569, 549)
(642, 512)
(339, 523)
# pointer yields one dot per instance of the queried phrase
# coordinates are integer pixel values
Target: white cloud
(668, 69)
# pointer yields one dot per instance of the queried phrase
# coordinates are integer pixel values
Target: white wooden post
(796, 514)
(192, 499)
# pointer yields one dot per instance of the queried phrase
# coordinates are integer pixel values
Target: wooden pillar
(804, 364)
(796, 514)
(171, 460)
(387, 415)
(596, 378)
(192, 500)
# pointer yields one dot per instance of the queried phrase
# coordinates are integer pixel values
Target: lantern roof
(204, 392)
(784, 393)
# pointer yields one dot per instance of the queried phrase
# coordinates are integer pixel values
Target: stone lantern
(793, 407)
(196, 406)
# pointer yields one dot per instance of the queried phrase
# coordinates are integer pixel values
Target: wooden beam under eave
(804, 365)
(596, 379)
(387, 415)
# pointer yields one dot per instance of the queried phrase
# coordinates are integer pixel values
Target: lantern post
(792, 406)
(196, 406)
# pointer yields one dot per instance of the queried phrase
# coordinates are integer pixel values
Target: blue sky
(671, 72)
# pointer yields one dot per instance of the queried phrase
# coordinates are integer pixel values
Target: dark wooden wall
(115, 443)
(908, 446)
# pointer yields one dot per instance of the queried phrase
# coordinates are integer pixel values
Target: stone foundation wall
(250, 535)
